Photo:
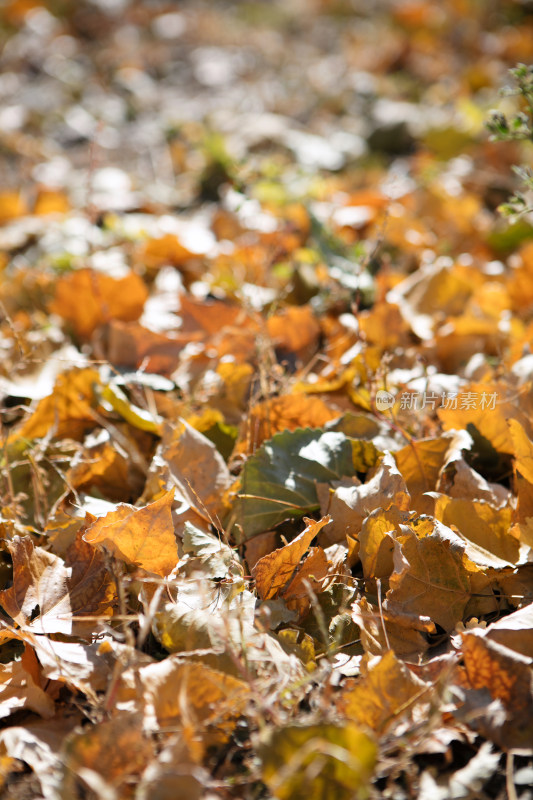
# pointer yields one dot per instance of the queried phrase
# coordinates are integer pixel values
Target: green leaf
(279, 481)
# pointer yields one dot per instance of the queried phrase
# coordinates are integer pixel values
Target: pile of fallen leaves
(266, 489)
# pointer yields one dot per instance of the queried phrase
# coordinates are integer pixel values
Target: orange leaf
(295, 329)
(87, 299)
(274, 570)
(288, 412)
(143, 537)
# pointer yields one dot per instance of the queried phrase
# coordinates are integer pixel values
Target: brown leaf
(382, 631)
(175, 691)
(507, 677)
(189, 461)
(143, 537)
(420, 463)
(515, 631)
(20, 687)
(272, 572)
(48, 593)
(112, 752)
(87, 299)
(106, 468)
(129, 344)
(431, 574)
(349, 505)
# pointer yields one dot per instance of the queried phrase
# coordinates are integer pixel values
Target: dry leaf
(287, 412)
(48, 593)
(113, 752)
(274, 570)
(20, 687)
(188, 461)
(142, 537)
(420, 463)
(481, 523)
(431, 575)
(506, 676)
(312, 762)
(294, 330)
(384, 694)
(67, 412)
(349, 505)
(87, 299)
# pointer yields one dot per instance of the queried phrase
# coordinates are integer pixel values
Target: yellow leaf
(48, 593)
(387, 691)
(523, 450)
(137, 417)
(294, 330)
(143, 537)
(420, 463)
(481, 523)
(68, 412)
(11, 206)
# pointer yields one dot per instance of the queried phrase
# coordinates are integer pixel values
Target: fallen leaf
(104, 298)
(288, 412)
(384, 694)
(376, 541)
(349, 505)
(481, 523)
(420, 463)
(294, 330)
(48, 593)
(116, 751)
(506, 676)
(188, 461)
(431, 575)
(193, 693)
(21, 689)
(279, 481)
(522, 450)
(142, 537)
(274, 570)
(68, 412)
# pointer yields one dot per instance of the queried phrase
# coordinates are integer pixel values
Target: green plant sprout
(519, 127)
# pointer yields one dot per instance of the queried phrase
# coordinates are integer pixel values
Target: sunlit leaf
(20, 688)
(48, 593)
(143, 537)
(67, 412)
(279, 481)
(274, 570)
(383, 695)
